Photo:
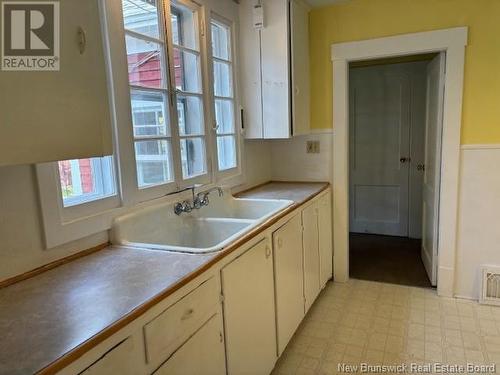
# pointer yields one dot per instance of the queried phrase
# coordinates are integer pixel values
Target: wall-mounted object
(275, 69)
(62, 113)
(258, 16)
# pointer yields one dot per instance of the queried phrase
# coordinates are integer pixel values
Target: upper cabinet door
(299, 28)
(250, 72)
(276, 69)
(60, 114)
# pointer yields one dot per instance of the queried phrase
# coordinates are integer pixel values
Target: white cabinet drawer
(164, 334)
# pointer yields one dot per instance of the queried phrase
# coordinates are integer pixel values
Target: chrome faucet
(198, 201)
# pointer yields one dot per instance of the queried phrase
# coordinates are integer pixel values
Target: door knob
(404, 160)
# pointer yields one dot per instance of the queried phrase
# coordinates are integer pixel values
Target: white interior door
(379, 134)
(432, 171)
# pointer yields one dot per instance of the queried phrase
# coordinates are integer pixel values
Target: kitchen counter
(71, 308)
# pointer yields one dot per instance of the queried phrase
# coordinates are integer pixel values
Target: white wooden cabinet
(275, 69)
(267, 287)
(325, 239)
(59, 115)
(203, 353)
(300, 89)
(249, 314)
(311, 254)
(288, 277)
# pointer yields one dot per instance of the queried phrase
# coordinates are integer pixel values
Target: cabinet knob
(187, 314)
(268, 251)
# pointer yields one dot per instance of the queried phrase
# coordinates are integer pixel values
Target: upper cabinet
(275, 68)
(62, 113)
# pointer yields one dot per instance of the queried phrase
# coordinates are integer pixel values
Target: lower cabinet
(249, 315)
(311, 254)
(288, 276)
(325, 239)
(267, 290)
(203, 353)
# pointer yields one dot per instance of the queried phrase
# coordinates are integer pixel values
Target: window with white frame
(149, 93)
(86, 180)
(189, 89)
(224, 95)
(166, 59)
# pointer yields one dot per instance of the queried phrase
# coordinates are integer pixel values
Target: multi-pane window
(224, 95)
(86, 180)
(188, 84)
(167, 102)
(148, 79)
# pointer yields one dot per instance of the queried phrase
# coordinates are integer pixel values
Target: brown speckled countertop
(59, 311)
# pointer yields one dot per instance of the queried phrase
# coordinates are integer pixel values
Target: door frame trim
(452, 42)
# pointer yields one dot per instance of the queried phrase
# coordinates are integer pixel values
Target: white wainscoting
(478, 235)
(291, 162)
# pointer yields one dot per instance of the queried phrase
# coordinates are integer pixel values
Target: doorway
(453, 41)
(395, 125)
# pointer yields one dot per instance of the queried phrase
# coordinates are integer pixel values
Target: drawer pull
(188, 314)
(268, 251)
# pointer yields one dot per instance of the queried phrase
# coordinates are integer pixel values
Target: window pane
(184, 27)
(141, 16)
(153, 166)
(226, 152)
(224, 116)
(193, 157)
(186, 66)
(145, 63)
(190, 115)
(149, 114)
(86, 180)
(220, 41)
(222, 79)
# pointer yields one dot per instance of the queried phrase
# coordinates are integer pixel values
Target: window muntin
(86, 180)
(224, 95)
(189, 90)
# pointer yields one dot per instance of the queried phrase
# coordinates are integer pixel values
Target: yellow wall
(365, 19)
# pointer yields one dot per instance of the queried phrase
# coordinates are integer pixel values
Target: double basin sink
(206, 230)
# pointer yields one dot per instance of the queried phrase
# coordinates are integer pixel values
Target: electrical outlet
(312, 147)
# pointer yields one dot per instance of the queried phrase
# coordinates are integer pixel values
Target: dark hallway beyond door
(388, 259)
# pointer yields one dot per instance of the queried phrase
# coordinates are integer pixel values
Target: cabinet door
(59, 115)
(203, 353)
(125, 358)
(249, 315)
(250, 68)
(325, 239)
(275, 69)
(299, 28)
(311, 254)
(289, 281)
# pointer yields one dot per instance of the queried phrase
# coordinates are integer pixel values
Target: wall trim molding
(492, 146)
(452, 42)
(321, 131)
